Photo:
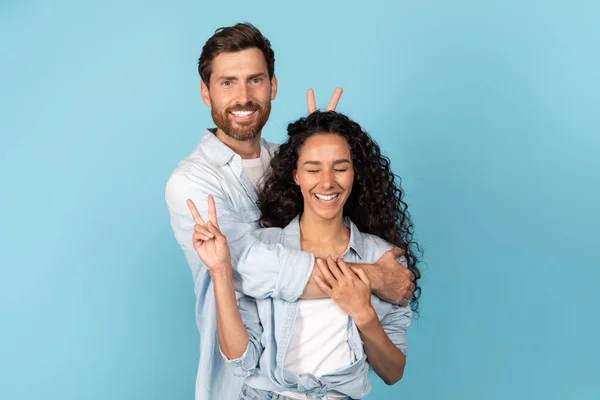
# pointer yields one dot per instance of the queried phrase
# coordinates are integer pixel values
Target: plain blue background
(488, 110)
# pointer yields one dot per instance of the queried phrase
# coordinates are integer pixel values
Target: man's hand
(209, 242)
(392, 282)
(312, 105)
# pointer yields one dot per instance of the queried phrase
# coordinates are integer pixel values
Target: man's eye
(226, 83)
(256, 80)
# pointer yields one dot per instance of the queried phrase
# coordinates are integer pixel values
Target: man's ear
(204, 93)
(273, 87)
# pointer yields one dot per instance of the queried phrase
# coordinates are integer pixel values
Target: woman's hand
(333, 102)
(349, 288)
(208, 241)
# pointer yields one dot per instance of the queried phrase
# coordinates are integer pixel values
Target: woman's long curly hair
(375, 205)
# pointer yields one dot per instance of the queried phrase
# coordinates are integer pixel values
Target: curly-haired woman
(330, 192)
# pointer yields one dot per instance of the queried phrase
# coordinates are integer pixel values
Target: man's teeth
(326, 198)
(242, 113)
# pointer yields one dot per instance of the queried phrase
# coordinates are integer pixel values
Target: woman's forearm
(385, 358)
(232, 334)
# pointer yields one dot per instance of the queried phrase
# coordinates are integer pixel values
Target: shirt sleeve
(395, 324)
(260, 269)
(397, 321)
(245, 365)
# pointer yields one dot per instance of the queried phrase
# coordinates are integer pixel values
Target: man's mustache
(250, 106)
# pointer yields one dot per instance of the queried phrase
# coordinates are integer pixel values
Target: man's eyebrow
(259, 75)
(235, 78)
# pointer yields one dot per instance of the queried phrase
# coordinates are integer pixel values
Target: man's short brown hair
(232, 39)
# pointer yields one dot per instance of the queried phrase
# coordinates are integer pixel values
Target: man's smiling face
(240, 93)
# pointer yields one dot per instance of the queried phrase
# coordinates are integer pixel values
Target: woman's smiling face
(325, 175)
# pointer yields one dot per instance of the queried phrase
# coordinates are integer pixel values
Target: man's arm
(390, 280)
(260, 270)
(263, 270)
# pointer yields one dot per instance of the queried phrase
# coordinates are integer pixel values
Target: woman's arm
(386, 359)
(238, 329)
(350, 289)
(232, 334)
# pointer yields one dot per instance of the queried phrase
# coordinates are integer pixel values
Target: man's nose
(243, 94)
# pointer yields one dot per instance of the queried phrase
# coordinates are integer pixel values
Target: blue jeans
(249, 393)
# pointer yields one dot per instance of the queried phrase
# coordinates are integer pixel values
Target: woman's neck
(323, 237)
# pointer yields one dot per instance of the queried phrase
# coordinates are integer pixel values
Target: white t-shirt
(319, 342)
(255, 167)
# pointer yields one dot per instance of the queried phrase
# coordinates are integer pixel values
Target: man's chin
(241, 134)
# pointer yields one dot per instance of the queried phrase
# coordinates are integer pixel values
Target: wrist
(365, 317)
(222, 275)
(373, 272)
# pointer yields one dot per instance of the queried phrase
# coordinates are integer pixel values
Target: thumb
(215, 230)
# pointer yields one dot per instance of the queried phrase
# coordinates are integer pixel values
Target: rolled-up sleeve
(261, 269)
(246, 364)
(395, 324)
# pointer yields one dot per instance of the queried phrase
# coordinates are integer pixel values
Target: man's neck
(246, 149)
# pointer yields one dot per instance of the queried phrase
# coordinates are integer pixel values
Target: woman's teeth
(331, 197)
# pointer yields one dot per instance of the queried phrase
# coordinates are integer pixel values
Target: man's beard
(244, 130)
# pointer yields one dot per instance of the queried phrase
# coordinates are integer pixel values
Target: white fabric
(319, 343)
(255, 168)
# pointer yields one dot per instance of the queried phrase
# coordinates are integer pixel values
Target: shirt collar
(291, 234)
(220, 152)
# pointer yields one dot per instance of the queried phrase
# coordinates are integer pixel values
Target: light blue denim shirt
(259, 268)
(270, 324)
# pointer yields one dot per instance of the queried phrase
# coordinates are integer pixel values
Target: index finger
(345, 269)
(195, 214)
(337, 93)
(310, 100)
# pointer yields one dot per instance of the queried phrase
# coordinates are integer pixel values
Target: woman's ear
(296, 177)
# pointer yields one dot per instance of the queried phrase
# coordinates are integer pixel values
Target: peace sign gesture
(312, 104)
(208, 241)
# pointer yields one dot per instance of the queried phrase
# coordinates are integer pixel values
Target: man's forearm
(374, 274)
(312, 289)
(390, 283)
